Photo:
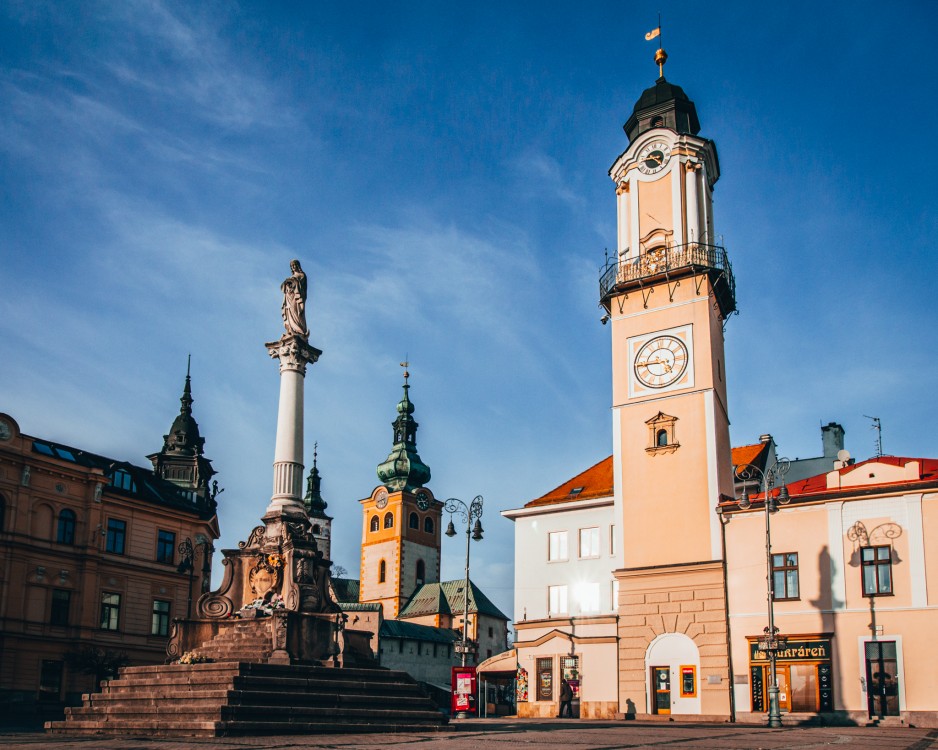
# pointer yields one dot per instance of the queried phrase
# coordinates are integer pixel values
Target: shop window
(389, 520)
(160, 622)
(557, 546)
(785, 576)
(877, 570)
(545, 679)
(375, 523)
(589, 542)
(110, 611)
(556, 600)
(61, 603)
(382, 571)
(116, 536)
(414, 521)
(428, 525)
(66, 530)
(165, 546)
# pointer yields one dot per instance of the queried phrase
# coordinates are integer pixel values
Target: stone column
(294, 354)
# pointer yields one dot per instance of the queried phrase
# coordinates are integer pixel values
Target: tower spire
(315, 505)
(403, 468)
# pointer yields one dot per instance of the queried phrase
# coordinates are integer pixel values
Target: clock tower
(400, 522)
(668, 293)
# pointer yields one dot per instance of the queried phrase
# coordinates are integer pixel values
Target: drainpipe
(726, 612)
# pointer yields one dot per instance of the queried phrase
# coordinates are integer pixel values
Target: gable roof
(750, 454)
(595, 482)
(448, 598)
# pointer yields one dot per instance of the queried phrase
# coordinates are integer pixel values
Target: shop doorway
(882, 678)
(661, 682)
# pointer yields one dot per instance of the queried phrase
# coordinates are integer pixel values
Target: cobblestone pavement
(500, 734)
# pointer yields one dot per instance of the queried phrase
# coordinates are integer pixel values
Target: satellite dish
(843, 456)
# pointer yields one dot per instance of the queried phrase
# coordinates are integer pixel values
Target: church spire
(315, 505)
(403, 469)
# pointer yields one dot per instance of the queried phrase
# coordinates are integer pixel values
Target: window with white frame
(556, 600)
(615, 595)
(589, 542)
(587, 595)
(557, 545)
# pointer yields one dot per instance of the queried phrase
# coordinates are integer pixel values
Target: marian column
(294, 352)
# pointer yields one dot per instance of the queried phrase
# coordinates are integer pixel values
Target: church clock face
(654, 157)
(382, 500)
(423, 500)
(661, 361)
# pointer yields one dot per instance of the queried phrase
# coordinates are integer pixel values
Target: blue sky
(441, 172)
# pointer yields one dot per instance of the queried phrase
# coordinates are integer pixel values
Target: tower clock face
(382, 500)
(423, 500)
(661, 361)
(654, 157)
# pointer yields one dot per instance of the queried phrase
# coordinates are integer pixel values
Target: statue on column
(294, 301)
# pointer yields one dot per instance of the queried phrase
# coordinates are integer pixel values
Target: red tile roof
(596, 481)
(748, 454)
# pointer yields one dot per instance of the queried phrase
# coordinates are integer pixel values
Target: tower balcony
(670, 264)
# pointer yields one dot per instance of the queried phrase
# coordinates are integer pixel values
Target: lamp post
(187, 564)
(468, 513)
(771, 477)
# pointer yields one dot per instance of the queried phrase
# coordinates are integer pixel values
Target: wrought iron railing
(666, 261)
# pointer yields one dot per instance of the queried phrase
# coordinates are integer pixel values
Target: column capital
(294, 353)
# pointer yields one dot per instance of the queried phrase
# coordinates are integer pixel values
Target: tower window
(317, 529)
(382, 571)
(389, 520)
(662, 438)
(414, 521)
(66, 530)
(375, 523)
(657, 121)
(421, 573)
(428, 525)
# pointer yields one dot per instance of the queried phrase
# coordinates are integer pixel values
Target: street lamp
(187, 564)
(468, 513)
(772, 476)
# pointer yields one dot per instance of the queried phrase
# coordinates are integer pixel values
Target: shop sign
(816, 650)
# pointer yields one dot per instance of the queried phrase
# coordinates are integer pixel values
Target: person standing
(566, 698)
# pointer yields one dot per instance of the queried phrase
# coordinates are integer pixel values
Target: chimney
(832, 439)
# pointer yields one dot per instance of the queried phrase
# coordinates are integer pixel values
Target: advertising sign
(464, 690)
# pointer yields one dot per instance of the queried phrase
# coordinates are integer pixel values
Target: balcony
(668, 264)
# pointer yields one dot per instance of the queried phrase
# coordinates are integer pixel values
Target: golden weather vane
(661, 57)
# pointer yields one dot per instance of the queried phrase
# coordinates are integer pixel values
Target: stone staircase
(239, 698)
(243, 641)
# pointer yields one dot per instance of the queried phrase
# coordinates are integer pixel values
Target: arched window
(414, 521)
(421, 573)
(661, 439)
(382, 571)
(428, 525)
(389, 520)
(375, 523)
(66, 530)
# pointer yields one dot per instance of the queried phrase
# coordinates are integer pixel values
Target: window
(421, 573)
(877, 570)
(110, 611)
(612, 540)
(414, 521)
(785, 576)
(50, 680)
(66, 530)
(545, 679)
(160, 622)
(587, 595)
(165, 546)
(556, 600)
(557, 545)
(375, 523)
(382, 571)
(116, 534)
(389, 520)
(589, 542)
(61, 600)
(123, 481)
(615, 595)
(662, 438)
(3, 510)
(428, 525)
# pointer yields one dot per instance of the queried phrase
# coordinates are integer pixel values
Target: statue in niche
(294, 301)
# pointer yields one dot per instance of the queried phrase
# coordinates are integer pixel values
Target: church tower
(181, 461)
(400, 521)
(316, 509)
(668, 294)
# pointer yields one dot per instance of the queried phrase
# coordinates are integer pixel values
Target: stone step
(234, 728)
